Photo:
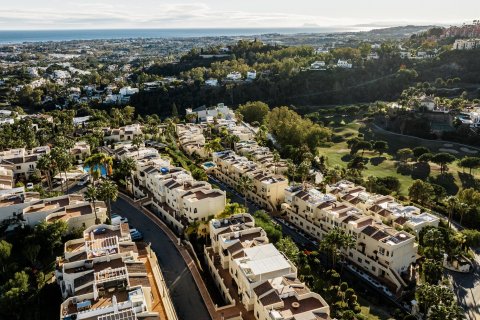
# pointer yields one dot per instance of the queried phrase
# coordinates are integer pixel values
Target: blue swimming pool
(209, 164)
(103, 172)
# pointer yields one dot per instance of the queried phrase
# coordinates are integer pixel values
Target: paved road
(467, 289)
(185, 295)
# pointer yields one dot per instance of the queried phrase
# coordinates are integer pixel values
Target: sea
(24, 36)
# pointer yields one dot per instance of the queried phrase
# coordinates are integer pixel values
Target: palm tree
(292, 170)
(63, 161)
(97, 160)
(138, 142)
(45, 165)
(126, 167)
(91, 195)
(245, 184)
(304, 171)
(108, 192)
(213, 146)
(276, 160)
(334, 241)
(452, 204)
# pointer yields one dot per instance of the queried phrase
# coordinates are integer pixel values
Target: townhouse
(383, 208)
(6, 177)
(267, 189)
(178, 194)
(126, 133)
(242, 130)
(27, 208)
(23, 161)
(192, 139)
(380, 250)
(80, 151)
(252, 273)
(105, 275)
(261, 155)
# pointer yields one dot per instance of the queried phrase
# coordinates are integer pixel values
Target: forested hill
(283, 79)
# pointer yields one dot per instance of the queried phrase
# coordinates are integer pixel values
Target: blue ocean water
(20, 36)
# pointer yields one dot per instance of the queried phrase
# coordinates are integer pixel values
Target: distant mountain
(400, 31)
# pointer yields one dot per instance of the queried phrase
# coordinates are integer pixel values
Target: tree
(436, 299)
(98, 160)
(254, 111)
(443, 159)
(304, 170)
(213, 145)
(420, 192)
(13, 294)
(426, 157)
(174, 111)
(435, 241)
(419, 151)
(380, 146)
(5, 252)
(404, 154)
(452, 205)
(363, 145)
(289, 248)
(244, 185)
(126, 167)
(334, 241)
(137, 141)
(63, 161)
(108, 192)
(45, 165)
(470, 163)
(276, 159)
(91, 195)
(432, 271)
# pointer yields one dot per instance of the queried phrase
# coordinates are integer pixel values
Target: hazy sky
(99, 14)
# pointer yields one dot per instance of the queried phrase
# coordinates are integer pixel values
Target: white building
(220, 111)
(23, 161)
(211, 82)
(318, 65)
(234, 76)
(466, 44)
(344, 64)
(251, 75)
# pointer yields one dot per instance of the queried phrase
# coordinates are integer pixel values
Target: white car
(29, 186)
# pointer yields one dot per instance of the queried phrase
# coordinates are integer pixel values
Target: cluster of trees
(291, 130)
(27, 258)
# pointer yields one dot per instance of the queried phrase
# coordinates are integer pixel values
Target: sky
(112, 14)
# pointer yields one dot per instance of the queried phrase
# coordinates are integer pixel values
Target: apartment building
(23, 161)
(191, 138)
(189, 199)
(27, 208)
(268, 189)
(252, 273)
(383, 208)
(6, 177)
(105, 275)
(466, 44)
(127, 150)
(261, 155)
(380, 250)
(126, 133)
(206, 114)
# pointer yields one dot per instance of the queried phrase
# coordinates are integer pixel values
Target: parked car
(84, 180)
(99, 231)
(136, 235)
(29, 186)
(116, 219)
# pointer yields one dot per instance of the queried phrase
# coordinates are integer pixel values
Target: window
(19, 167)
(373, 268)
(195, 210)
(350, 254)
(360, 260)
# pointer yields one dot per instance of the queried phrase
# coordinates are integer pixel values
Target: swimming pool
(209, 164)
(103, 172)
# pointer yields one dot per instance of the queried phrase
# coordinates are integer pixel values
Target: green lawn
(339, 154)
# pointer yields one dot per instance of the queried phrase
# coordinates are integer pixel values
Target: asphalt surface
(467, 289)
(186, 298)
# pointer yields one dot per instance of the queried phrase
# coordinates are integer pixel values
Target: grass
(339, 154)
(372, 311)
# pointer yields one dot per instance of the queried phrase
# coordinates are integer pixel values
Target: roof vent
(295, 305)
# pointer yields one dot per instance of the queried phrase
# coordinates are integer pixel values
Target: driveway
(183, 290)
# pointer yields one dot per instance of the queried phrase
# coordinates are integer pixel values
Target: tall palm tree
(334, 241)
(304, 171)
(126, 167)
(276, 160)
(244, 185)
(97, 160)
(45, 165)
(108, 192)
(138, 142)
(452, 204)
(91, 195)
(63, 161)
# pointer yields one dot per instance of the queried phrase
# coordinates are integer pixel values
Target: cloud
(89, 14)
